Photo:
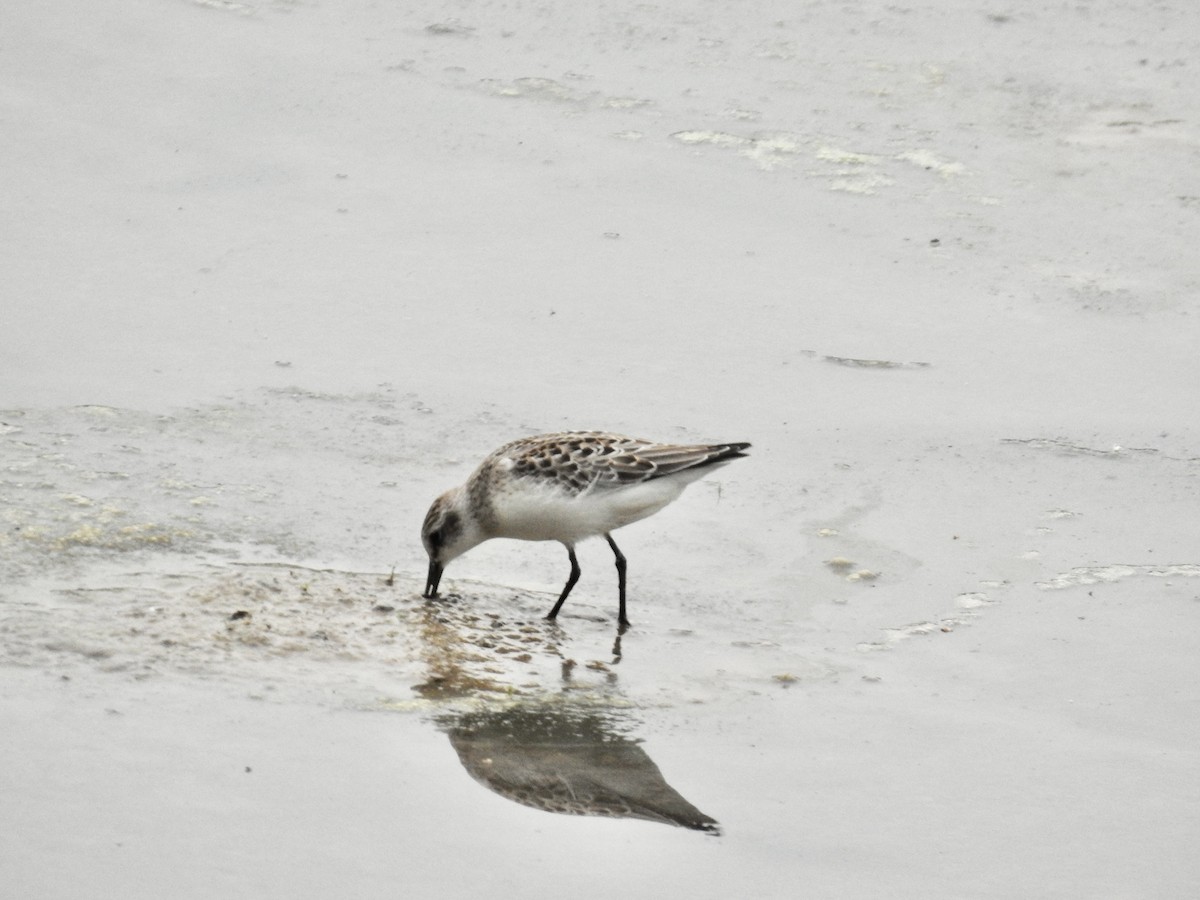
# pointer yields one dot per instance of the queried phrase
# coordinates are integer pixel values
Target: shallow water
(163, 649)
(276, 274)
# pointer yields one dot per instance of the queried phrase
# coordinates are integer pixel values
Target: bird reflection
(531, 724)
(563, 759)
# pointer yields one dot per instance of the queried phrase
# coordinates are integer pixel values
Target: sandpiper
(564, 487)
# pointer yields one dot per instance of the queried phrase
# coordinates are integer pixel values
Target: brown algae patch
(294, 629)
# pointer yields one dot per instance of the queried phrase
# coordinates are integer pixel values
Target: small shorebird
(564, 487)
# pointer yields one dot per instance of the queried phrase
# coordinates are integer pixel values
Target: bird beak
(431, 582)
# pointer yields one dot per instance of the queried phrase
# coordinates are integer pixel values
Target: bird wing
(576, 461)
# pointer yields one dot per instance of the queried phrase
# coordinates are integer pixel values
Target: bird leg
(574, 577)
(621, 618)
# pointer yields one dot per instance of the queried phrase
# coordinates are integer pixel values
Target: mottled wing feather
(578, 461)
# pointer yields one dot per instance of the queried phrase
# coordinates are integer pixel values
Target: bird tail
(727, 451)
(668, 459)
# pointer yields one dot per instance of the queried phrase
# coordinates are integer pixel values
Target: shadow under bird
(564, 487)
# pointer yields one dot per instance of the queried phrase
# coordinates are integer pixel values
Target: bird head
(449, 531)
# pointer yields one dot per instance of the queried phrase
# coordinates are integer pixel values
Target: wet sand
(279, 273)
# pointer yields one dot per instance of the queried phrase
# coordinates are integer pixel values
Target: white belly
(551, 515)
